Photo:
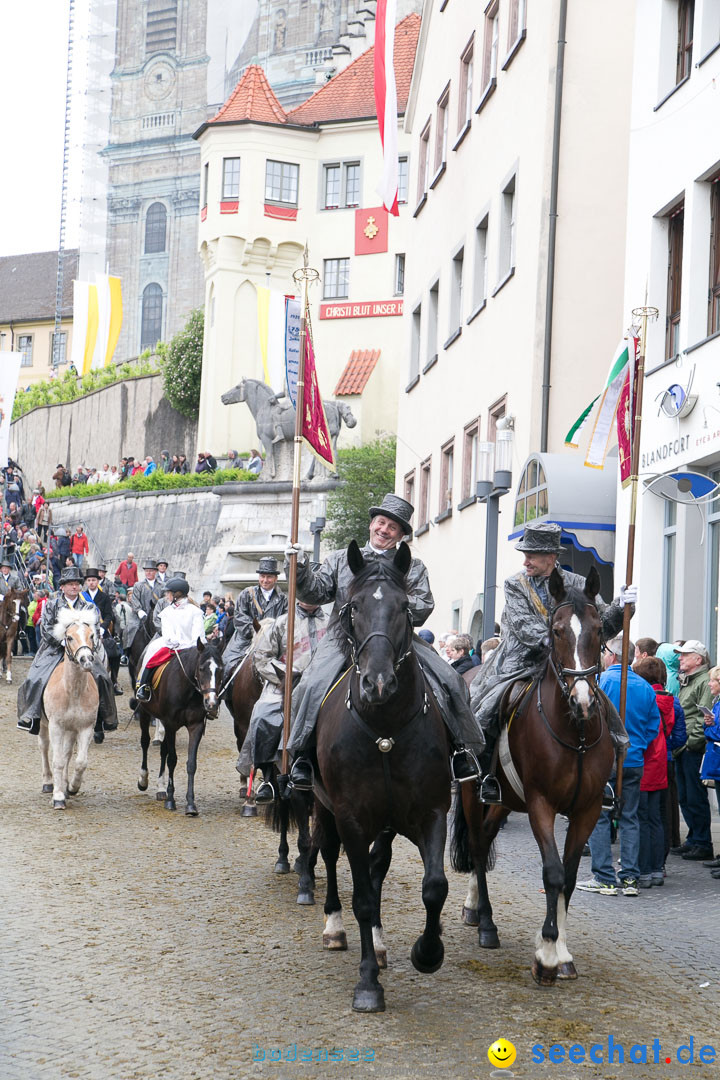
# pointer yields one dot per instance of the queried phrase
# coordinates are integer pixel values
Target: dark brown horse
(187, 694)
(562, 756)
(383, 758)
(12, 603)
(240, 693)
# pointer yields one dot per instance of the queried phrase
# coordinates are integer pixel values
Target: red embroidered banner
(314, 422)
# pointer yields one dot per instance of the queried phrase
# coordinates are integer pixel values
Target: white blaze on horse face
(378, 594)
(580, 690)
(16, 617)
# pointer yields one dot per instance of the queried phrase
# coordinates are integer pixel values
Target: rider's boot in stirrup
(464, 765)
(301, 775)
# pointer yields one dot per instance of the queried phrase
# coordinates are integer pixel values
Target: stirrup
(302, 775)
(266, 793)
(468, 765)
(143, 692)
(490, 792)
(610, 802)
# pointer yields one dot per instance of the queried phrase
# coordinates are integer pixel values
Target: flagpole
(643, 314)
(304, 276)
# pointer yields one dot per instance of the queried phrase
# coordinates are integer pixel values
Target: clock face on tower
(159, 80)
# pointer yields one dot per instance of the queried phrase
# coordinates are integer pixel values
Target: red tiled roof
(350, 94)
(252, 99)
(357, 371)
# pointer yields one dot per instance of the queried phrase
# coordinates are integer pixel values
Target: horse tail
(460, 857)
(274, 813)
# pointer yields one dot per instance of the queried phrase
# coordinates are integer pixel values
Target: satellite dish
(683, 487)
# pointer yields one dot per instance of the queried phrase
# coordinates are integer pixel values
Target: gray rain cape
(48, 657)
(251, 604)
(525, 642)
(330, 583)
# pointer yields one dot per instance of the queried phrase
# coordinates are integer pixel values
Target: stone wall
(131, 417)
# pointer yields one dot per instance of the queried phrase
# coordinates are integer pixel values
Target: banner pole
(643, 313)
(302, 276)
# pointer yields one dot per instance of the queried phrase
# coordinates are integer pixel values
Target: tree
(182, 366)
(368, 473)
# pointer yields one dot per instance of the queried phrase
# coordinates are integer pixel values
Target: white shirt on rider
(181, 625)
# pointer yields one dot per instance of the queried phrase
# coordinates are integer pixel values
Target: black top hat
(397, 509)
(542, 537)
(268, 565)
(178, 584)
(161, 559)
(92, 571)
(70, 573)
(176, 574)
(149, 564)
(102, 567)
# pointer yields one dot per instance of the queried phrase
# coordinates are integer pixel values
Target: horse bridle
(193, 681)
(73, 655)
(576, 674)
(347, 621)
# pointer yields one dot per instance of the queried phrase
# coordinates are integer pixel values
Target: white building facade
(673, 249)
(513, 139)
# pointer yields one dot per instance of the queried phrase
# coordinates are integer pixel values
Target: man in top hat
(103, 602)
(145, 596)
(261, 601)
(524, 643)
(162, 574)
(106, 585)
(9, 578)
(389, 524)
(51, 652)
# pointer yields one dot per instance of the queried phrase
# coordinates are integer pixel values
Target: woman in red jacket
(654, 778)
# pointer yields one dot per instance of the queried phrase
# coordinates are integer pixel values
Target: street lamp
(316, 527)
(495, 479)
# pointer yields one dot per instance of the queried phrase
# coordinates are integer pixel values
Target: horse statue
(70, 705)
(383, 768)
(13, 602)
(555, 757)
(186, 691)
(275, 421)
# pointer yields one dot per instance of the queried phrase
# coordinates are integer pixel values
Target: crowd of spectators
(167, 463)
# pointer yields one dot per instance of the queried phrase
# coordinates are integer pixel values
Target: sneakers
(629, 886)
(645, 881)
(602, 887)
(698, 854)
(658, 878)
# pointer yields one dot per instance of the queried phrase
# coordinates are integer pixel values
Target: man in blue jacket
(642, 723)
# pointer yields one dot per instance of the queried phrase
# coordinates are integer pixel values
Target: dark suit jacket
(104, 605)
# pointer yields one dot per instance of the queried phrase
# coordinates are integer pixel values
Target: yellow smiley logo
(501, 1054)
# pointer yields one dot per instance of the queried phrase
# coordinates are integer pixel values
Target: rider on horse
(145, 596)
(9, 578)
(181, 624)
(51, 652)
(524, 645)
(265, 730)
(389, 524)
(258, 602)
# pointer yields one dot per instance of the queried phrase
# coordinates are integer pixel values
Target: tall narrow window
(161, 26)
(507, 230)
(714, 290)
(441, 129)
(516, 21)
(402, 180)
(471, 436)
(674, 287)
(432, 330)
(425, 482)
(424, 162)
(490, 45)
(668, 578)
(399, 275)
(466, 84)
(206, 183)
(409, 487)
(155, 228)
(152, 307)
(686, 19)
(415, 327)
(456, 293)
(336, 279)
(480, 280)
(352, 184)
(447, 470)
(58, 348)
(495, 412)
(332, 187)
(25, 346)
(231, 179)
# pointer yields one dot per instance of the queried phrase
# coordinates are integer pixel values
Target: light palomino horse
(70, 705)
(273, 418)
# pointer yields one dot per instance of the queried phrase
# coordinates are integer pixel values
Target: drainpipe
(552, 231)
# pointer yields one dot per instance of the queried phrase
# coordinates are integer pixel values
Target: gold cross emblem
(371, 229)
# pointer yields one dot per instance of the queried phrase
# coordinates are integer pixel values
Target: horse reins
(345, 614)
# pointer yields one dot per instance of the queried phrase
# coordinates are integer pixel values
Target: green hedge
(157, 481)
(70, 387)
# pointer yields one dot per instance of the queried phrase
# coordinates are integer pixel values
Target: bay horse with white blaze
(70, 705)
(556, 758)
(186, 695)
(10, 607)
(383, 757)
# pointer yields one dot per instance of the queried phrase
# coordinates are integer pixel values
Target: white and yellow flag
(271, 335)
(97, 319)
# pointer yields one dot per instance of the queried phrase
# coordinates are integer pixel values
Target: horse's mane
(576, 597)
(68, 616)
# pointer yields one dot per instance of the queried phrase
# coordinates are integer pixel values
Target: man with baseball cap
(389, 524)
(694, 695)
(524, 644)
(261, 601)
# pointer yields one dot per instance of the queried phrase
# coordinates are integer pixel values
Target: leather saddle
(512, 698)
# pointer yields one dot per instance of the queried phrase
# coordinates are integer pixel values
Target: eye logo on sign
(676, 401)
(684, 487)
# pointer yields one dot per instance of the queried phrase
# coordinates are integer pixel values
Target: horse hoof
(488, 939)
(161, 796)
(249, 810)
(191, 810)
(427, 967)
(170, 804)
(282, 866)
(47, 789)
(381, 957)
(544, 976)
(142, 783)
(567, 971)
(71, 792)
(337, 942)
(58, 804)
(306, 899)
(369, 1001)
(470, 916)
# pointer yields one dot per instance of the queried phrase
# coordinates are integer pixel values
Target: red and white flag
(386, 101)
(315, 429)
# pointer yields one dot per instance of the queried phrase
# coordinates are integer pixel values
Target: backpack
(66, 478)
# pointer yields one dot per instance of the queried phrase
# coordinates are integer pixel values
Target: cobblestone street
(137, 943)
